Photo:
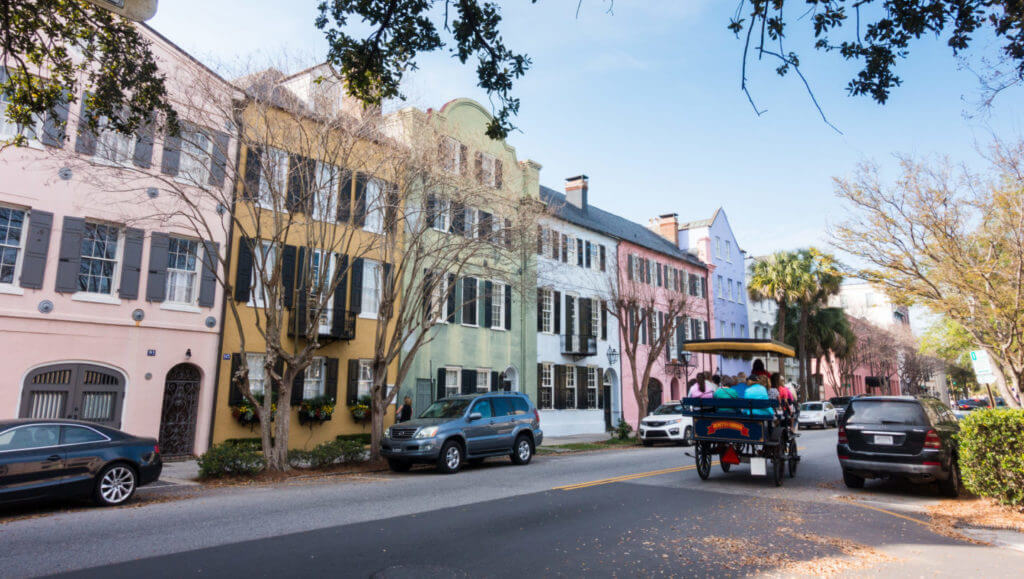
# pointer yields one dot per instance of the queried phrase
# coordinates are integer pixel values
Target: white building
(861, 299)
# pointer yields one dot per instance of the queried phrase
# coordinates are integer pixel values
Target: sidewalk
(558, 440)
(181, 472)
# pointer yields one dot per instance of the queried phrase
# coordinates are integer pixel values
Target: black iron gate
(178, 417)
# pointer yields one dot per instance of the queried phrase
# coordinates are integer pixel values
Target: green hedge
(230, 459)
(328, 454)
(363, 438)
(992, 454)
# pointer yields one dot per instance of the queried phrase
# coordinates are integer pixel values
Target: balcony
(337, 329)
(579, 345)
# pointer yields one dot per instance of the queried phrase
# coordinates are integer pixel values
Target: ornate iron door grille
(178, 417)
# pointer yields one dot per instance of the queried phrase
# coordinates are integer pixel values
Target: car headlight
(428, 432)
(676, 421)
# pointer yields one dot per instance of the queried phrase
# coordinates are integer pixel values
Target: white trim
(30, 369)
(58, 445)
(11, 289)
(96, 298)
(180, 307)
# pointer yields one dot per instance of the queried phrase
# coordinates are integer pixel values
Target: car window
(28, 437)
(483, 407)
(447, 408)
(669, 409)
(502, 405)
(80, 435)
(886, 412)
(811, 406)
(520, 406)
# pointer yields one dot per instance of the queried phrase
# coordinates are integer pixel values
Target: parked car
(969, 404)
(68, 458)
(667, 424)
(899, 436)
(840, 403)
(821, 414)
(471, 427)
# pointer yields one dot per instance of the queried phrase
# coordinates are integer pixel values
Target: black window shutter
(629, 267)
(540, 240)
(705, 335)
(172, 155)
(495, 381)
(468, 381)
(560, 387)
(604, 320)
(506, 234)
(234, 390)
(345, 196)
(540, 309)
(600, 254)
(458, 224)
(430, 283)
(297, 326)
(553, 237)
(565, 247)
(243, 270)
(33, 264)
(355, 299)
(488, 302)
(540, 384)
(142, 156)
(70, 256)
(486, 226)
(219, 162)
(340, 295)
(478, 172)
(581, 387)
(499, 174)
(658, 266)
(55, 124)
(579, 252)
(600, 389)
(208, 279)
(288, 258)
(588, 260)
(586, 317)
(131, 263)
(469, 305)
(453, 291)
(557, 318)
(508, 307)
(352, 394)
(253, 172)
(439, 387)
(296, 186)
(297, 386)
(331, 378)
(431, 210)
(463, 159)
(359, 217)
(570, 315)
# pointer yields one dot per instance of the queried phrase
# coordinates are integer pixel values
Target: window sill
(470, 325)
(179, 307)
(499, 328)
(11, 289)
(367, 316)
(96, 298)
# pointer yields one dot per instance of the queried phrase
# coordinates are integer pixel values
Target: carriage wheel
(794, 459)
(703, 460)
(778, 466)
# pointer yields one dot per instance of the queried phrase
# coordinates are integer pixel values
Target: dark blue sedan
(41, 459)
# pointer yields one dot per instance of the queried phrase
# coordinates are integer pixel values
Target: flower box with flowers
(360, 410)
(316, 410)
(245, 412)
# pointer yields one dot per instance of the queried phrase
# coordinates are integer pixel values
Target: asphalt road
(636, 512)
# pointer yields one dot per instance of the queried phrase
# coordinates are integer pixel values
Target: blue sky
(647, 102)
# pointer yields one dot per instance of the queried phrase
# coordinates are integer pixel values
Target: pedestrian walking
(404, 412)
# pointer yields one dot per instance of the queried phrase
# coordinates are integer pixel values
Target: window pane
(99, 258)
(79, 435)
(30, 437)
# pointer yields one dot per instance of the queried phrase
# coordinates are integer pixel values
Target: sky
(646, 101)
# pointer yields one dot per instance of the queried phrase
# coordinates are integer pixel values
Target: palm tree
(830, 337)
(771, 278)
(815, 278)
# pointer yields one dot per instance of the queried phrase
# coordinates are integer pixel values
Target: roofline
(188, 55)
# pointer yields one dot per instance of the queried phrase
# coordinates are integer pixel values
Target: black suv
(899, 436)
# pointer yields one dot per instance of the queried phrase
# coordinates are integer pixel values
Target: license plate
(883, 440)
(758, 466)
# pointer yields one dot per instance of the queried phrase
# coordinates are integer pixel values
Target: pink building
(110, 310)
(649, 263)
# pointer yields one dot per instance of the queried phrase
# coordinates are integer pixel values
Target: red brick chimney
(667, 226)
(576, 192)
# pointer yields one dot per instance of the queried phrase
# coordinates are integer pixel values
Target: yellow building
(302, 134)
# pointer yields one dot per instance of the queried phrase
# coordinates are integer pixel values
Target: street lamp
(137, 10)
(613, 356)
(680, 367)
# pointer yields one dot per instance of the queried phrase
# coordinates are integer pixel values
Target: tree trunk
(802, 346)
(780, 324)
(376, 429)
(277, 459)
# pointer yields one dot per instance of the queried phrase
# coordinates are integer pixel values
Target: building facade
(110, 309)
(715, 237)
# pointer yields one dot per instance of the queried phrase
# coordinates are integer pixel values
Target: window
(547, 386)
(313, 382)
(721, 283)
(196, 154)
(595, 316)
(739, 291)
(488, 170)
(274, 181)
(732, 330)
(547, 310)
(728, 251)
(452, 385)
(570, 250)
(636, 268)
(182, 260)
(257, 373)
(718, 247)
(442, 215)
(12, 223)
(375, 201)
(592, 387)
(325, 200)
(263, 261)
(498, 305)
(743, 331)
(80, 435)
(100, 255)
(730, 292)
(26, 437)
(320, 280)
(570, 387)
(483, 380)
(114, 146)
(365, 379)
(471, 221)
(721, 329)
(451, 155)
(9, 130)
(371, 288)
(439, 298)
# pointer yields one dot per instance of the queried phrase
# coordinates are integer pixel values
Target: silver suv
(471, 427)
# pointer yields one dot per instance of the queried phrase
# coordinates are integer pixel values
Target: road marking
(888, 512)
(626, 477)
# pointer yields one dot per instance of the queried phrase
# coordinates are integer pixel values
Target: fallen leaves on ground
(778, 557)
(977, 512)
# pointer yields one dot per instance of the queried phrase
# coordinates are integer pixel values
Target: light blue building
(714, 242)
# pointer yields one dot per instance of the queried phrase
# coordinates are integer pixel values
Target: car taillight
(156, 449)
(931, 440)
(842, 435)
(536, 415)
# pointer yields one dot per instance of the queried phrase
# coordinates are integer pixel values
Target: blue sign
(227, 356)
(151, 352)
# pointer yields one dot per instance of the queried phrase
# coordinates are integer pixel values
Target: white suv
(667, 424)
(821, 414)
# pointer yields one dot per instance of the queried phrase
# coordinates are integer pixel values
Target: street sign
(982, 367)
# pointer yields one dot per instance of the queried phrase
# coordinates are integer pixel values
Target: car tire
(688, 436)
(522, 450)
(115, 484)
(399, 465)
(950, 488)
(852, 481)
(647, 442)
(450, 459)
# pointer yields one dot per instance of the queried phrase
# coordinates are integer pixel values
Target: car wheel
(688, 436)
(647, 442)
(399, 465)
(951, 486)
(449, 461)
(522, 450)
(115, 484)
(853, 481)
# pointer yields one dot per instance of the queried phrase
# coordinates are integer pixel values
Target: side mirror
(475, 416)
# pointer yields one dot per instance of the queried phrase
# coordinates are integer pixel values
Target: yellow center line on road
(888, 512)
(626, 477)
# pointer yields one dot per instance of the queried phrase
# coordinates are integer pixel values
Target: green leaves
(992, 454)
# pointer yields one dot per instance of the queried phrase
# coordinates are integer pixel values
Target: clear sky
(647, 102)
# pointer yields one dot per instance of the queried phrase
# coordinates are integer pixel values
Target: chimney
(667, 226)
(576, 192)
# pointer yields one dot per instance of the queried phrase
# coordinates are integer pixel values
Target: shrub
(623, 430)
(362, 438)
(231, 458)
(328, 454)
(992, 454)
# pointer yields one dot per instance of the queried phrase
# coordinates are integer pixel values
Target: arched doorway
(610, 394)
(653, 395)
(674, 387)
(77, 391)
(181, 405)
(510, 380)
